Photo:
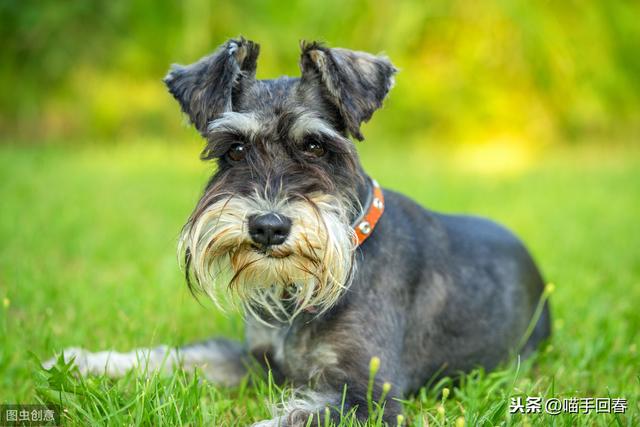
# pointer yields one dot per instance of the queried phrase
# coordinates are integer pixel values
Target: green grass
(87, 257)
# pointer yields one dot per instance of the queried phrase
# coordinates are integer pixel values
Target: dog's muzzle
(279, 258)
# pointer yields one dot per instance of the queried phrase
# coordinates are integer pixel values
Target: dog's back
(463, 289)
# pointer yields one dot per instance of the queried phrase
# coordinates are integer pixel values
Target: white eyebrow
(246, 123)
(308, 123)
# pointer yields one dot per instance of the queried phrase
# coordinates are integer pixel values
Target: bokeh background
(509, 71)
(527, 112)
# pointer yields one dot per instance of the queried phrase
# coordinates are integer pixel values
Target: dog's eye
(237, 152)
(314, 147)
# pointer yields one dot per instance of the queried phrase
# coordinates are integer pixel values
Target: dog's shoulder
(407, 215)
(476, 233)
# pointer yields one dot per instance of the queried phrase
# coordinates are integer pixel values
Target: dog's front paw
(76, 355)
(275, 422)
(296, 418)
(103, 362)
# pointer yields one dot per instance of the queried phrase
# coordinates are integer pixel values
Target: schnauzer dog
(331, 270)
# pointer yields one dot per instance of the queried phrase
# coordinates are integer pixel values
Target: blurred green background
(510, 72)
(527, 112)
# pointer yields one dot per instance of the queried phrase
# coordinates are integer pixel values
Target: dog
(334, 274)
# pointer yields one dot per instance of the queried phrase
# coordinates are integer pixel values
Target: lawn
(87, 257)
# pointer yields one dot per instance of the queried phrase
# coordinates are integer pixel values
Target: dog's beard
(309, 271)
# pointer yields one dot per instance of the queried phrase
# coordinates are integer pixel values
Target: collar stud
(365, 227)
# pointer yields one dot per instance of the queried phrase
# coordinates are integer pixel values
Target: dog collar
(373, 209)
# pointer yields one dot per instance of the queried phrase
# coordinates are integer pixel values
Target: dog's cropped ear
(209, 87)
(355, 82)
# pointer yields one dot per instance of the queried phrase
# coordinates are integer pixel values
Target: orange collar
(365, 224)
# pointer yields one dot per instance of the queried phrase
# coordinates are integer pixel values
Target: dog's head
(274, 222)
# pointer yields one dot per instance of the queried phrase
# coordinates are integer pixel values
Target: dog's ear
(211, 86)
(355, 82)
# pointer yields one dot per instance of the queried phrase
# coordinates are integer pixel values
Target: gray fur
(221, 361)
(205, 89)
(431, 294)
(354, 82)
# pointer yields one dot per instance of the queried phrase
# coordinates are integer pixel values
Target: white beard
(311, 269)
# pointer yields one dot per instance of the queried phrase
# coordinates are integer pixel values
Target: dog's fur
(430, 295)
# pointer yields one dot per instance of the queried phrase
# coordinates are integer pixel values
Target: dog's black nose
(269, 229)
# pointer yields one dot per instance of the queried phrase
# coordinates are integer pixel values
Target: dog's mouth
(270, 252)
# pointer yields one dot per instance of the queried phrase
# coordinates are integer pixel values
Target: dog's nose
(269, 229)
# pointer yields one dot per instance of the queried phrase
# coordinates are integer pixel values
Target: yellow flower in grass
(550, 288)
(374, 365)
(445, 393)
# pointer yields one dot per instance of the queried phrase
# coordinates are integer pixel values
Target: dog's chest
(298, 352)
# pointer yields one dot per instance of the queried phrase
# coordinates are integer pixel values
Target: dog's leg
(297, 410)
(221, 361)
(338, 393)
(320, 405)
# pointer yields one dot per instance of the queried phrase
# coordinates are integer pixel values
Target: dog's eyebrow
(244, 123)
(309, 123)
